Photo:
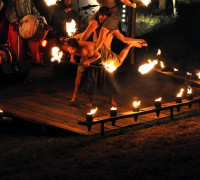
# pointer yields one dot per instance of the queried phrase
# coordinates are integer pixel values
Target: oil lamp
(157, 103)
(179, 96)
(189, 93)
(113, 111)
(136, 106)
(90, 115)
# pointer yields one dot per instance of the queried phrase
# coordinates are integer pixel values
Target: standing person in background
(15, 11)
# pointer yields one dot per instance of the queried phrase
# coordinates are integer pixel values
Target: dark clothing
(99, 80)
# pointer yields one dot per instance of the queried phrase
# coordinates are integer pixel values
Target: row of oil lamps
(136, 104)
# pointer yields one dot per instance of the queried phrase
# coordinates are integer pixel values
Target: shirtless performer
(103, 14)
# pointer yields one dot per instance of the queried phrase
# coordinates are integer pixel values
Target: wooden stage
(44, 99)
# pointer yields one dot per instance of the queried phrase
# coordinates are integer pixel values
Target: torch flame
(113, 108)
(189, 90)
(189, 74)
(146, 2)
(136, 104)
(162, 65)
(57, 54)
(159, 99)
(93, 111)
(198, 74)
(159, 52)
(109, 66)
(145, 68)
(71, 27)
(50, 2)
(180, 93)
(175, 69)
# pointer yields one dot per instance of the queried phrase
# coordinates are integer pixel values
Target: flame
(175, 69)
(189, 74)
(93, 111)
(71, 27)
(159, 52)
(136, 104)
(44, 43)
(198, 74)
(145, 68)
(57, 54)
(162, 65)
(109, 66)
(50, 2)
(146, 2)
(1, 111)
(180, 93)
(113, 108)
(189, 90)
(159, 99)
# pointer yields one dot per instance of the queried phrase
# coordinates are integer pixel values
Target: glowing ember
(189, 74)
(136, 104)
(113, 108)
(180, 93)
(162, 65)
(158, 100)
(109, 66)
(145, 68)
(146, 2)
(159, 52)
(71, 27)
(189, 90)
(50, 2)
(175, 70)
(57, 54)
(93, 111)
(198, 74)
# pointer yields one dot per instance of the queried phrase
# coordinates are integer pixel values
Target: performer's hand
(86, 63)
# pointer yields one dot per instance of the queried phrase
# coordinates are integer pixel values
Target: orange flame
(159, 52)
(50, 2)
(145, 68)
(71, 27)
(109, 66)
(198, 74)
(159, 99)
(113, 108)
(162, 65)
(1, 111)
(189, 90)
(175, 69)
(136, 104)
(93, 111)
(57, 54)
(180, 93)
(146, 2)
(189, 74)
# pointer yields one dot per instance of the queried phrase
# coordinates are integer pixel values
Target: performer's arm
(95, 55)
(128, 3)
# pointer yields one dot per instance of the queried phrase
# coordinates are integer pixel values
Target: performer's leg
(125, 52)
(34, 48)
(76, 88)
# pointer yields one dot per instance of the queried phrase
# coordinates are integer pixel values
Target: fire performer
(110, 24)
(16, 10)
(88, 53)
(103, 13)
